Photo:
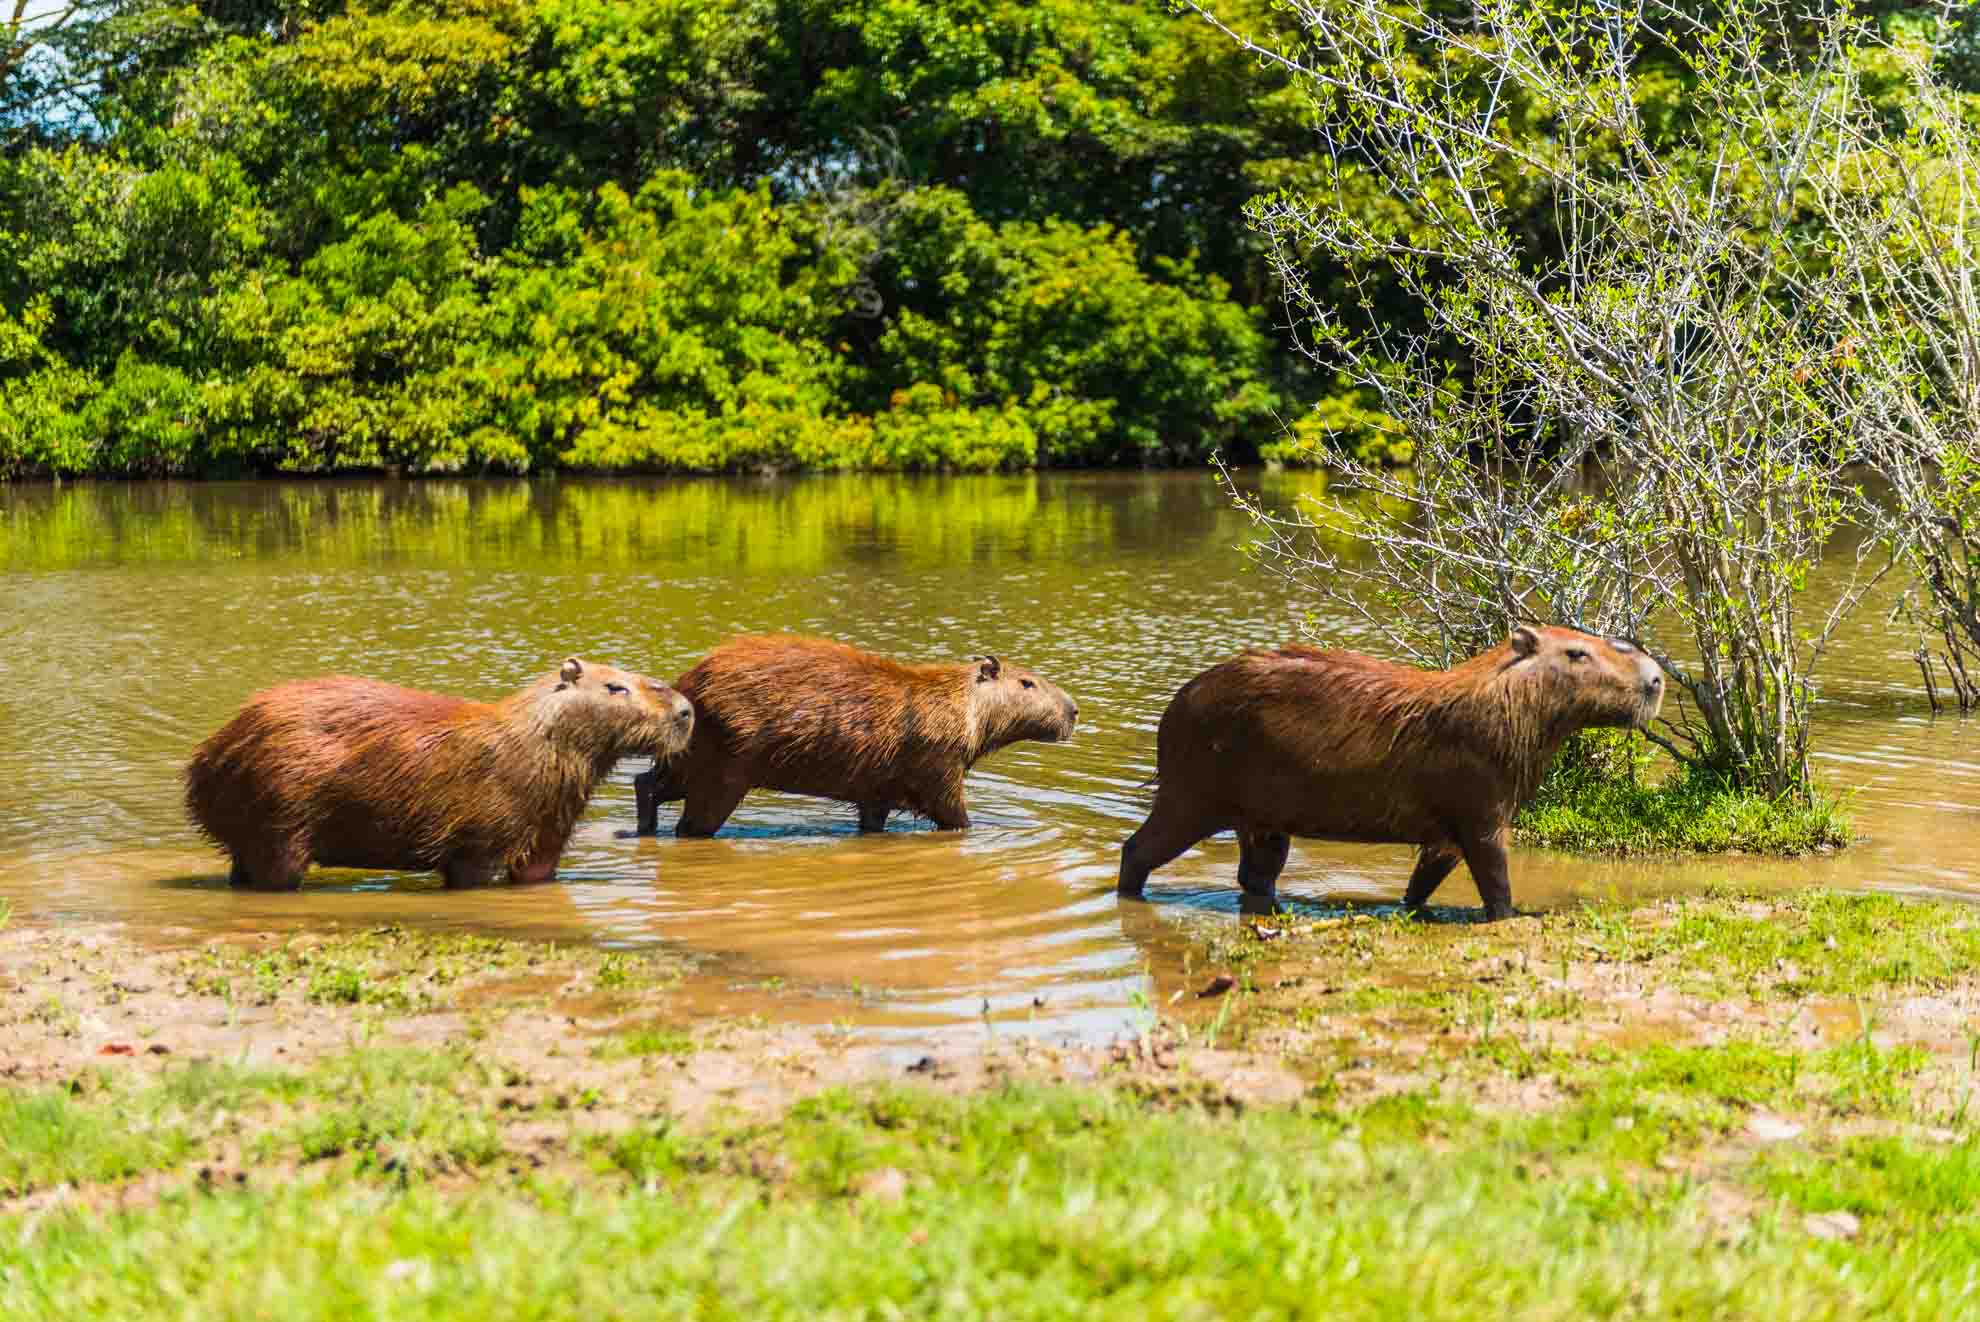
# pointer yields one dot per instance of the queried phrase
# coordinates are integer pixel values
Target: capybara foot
(1495, 913)
(873, 816)
(1253, 903)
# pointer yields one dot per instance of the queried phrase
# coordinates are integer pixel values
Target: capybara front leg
(1433, 864)
(707, 809)
(1486, 857)
(464, 870)
(646, 800)
(947, 811)
(1159, 841)
(873, 814)
(277, 866)
(1261, 858)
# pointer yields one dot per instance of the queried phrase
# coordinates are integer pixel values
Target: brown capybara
(356, 773)
(1339, 746)
(810, 716)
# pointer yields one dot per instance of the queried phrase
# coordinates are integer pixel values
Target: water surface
(134, 619)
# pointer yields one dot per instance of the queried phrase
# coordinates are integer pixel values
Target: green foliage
(670, 235)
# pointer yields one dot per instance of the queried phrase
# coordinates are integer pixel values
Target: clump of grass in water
(1596, 801)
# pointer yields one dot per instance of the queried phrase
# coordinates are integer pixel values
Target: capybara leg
(1433, 864)
(1159, 841)
(1261, 858)
(278, 866)
(873, 815)
(706, 810)
(949, 814)
(646, 799)
(463, 870)
(1486, 857)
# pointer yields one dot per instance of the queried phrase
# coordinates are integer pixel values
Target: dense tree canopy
(247, 235)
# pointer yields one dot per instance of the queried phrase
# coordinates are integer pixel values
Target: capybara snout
(1022, 703)
(616, 710)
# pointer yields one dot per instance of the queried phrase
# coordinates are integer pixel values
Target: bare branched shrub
(1629, 418)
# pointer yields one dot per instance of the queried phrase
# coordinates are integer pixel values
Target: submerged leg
(271, 865)
(651, 788)
(707, 809)
(873, 814)
(465, 870)
(1261, 858)
(1433, 864)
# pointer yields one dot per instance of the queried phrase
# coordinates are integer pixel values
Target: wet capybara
(1340, 746)
(811, 716)
(357, 773)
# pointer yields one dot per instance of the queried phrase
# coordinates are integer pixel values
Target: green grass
(1623, 1183)
(1049, 1202)
(1583, 808)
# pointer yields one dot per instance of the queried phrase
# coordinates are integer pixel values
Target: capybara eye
(615, 688)
(1028, 684)
(1576, 654)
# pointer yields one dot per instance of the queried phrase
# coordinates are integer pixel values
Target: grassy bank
(1603, 798)
(1727, 1106)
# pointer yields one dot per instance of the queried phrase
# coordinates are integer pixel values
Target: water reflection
(136, 618)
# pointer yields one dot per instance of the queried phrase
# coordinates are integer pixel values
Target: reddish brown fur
(1340, 746)
(357, 773)
(810, 716)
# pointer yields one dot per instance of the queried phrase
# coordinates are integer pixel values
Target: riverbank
(1725, 1105)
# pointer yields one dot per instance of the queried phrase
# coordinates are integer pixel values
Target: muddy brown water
(135, 618)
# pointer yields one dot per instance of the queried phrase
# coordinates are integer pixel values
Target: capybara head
(610, 712)
(1583, 680)
(1009, 703)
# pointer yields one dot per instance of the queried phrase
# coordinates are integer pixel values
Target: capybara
(360, 774)
(811, 716)
(1339, 746)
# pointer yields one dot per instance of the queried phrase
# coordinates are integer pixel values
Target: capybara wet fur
(356, 773)
(811, 716)
(1340, 746)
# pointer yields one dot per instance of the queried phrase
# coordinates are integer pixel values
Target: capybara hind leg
(706, 810)
(1261, 858)
(464, 870)
(1486, 857)
(1433, 864)
(873, 815)
(1159, 841)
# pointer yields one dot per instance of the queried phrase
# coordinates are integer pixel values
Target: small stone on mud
(919, 1235)
(1220, 984)
(1832, 1225)
(1771, 1128)
(158, 1049)
(926, 1065)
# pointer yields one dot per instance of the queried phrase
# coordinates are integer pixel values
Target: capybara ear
(988, 670)
(572, 669)
(1525, 640)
